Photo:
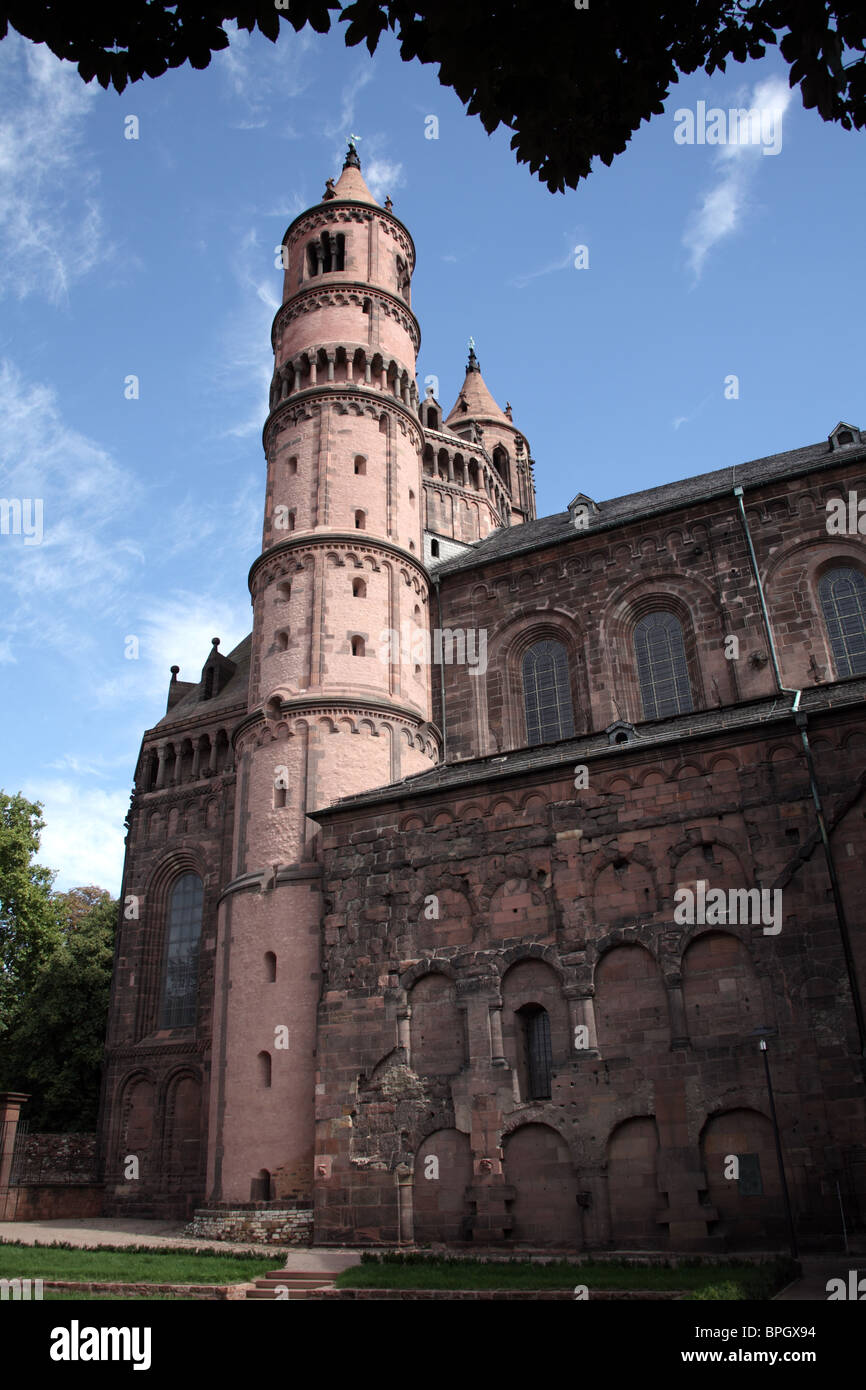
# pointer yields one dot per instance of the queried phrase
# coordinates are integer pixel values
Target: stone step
(292, 1277)
(296, 1283)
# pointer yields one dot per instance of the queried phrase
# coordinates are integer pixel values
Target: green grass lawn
(127, 1266)
(727, 1281)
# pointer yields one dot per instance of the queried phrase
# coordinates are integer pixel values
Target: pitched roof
(234, 691)
(633, 506)
(480, 405)
(351, 184)
(656, 734)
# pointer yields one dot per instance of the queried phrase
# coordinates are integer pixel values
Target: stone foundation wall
(52, 1202)
(57, 1158)
(257, 1222)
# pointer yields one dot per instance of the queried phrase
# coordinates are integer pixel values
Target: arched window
(264, 1068)
(284, 589)
(359, 588)
(282, 640)
(357, 646)
(843, 599)
(360, 521)
(546, 693)
(292, 466)
(180, 986)
(270, 967)
(360, 464)
(661, 666)
(536, 1039)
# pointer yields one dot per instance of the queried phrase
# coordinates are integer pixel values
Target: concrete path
(120, 1232)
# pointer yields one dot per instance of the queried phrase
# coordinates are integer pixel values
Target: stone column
(581, 1014)
(677, 1008)
(404, 1035)
(405, 1205)
(10, 1111)
(497, 1047)
(330, 357)
(162, 755)
(213, 755)
(196, 760)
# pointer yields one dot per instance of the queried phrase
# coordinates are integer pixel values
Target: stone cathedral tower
(291, 1029)
(329, 713)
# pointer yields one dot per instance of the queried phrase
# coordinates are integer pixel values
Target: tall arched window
(180, 986)
(662, 669)
(843, 599)
(546, 693)
(539, 1060)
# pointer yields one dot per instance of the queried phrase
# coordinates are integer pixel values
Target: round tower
(339, 702)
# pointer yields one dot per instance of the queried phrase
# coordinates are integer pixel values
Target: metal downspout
(801, 720)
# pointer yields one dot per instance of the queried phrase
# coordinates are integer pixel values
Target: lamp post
(763, 1034)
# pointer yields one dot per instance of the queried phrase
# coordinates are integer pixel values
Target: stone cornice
(351, 540)
(183, 791)
(367, 396)
(318, 288)
(367, 210)
(337, 706)
(533, 767)
(183, 727)
(257, 879)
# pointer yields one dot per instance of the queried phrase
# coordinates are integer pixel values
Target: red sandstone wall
(565, 899)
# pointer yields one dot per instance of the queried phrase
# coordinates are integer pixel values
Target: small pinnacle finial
(175, 672)
(330, 191)
(388, 203)
(352, 160)
(508, 409)
(214, 641)
(473, 364)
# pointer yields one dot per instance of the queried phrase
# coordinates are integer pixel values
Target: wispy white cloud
(723, 208)
(383, 177)
(258, 86)
(51, 232)
(88, 548)
(679, 420)
(175, 630)
(84, 832)
(549, 268)
(342, 126)
(244, 366)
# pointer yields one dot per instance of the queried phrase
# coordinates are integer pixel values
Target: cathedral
(501, 887)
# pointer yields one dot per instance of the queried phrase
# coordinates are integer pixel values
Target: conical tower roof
(351, 183)
(475, 401)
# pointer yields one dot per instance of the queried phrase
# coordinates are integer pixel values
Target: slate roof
(234, 691)
(656, 734)
(634, 506)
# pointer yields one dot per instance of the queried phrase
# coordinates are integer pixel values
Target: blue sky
(156, 258)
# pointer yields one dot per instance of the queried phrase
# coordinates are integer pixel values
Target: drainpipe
(801, 720)
(441, 672)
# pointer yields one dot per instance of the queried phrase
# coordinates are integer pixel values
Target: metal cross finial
(353, 139)
(471, 344)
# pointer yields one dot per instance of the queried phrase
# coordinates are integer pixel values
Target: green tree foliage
(572, 83)
(29, 920)
(53, 1047)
